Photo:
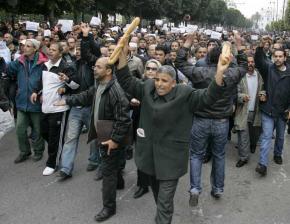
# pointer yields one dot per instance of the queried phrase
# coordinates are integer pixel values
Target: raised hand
(85, 29)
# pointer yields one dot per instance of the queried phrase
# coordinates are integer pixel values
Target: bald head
(103, 71)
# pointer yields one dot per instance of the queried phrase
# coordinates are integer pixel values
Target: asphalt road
(26, 197)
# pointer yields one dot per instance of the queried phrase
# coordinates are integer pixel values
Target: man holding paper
(57, 73)
(110, 124)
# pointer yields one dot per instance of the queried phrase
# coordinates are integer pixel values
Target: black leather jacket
(113, 106)
(202, 76)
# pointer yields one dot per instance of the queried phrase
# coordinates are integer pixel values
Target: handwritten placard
(66, 25)
(33, 26)
(95, 21)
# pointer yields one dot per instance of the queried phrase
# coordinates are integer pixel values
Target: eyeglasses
(151, 68)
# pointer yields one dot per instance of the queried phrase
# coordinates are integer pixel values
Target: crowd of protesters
(169, 97)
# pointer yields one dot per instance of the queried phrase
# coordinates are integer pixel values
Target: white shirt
(252, 81)
(49, 65)
(51, 84)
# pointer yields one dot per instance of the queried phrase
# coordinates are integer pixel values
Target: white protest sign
(215, 35)
(47, 33)
(254, 37)
(182, 30)
(165, 28)
(201, 30)
(158, 22)
(143, 30)
(33, 26)
(5, 52)
(208, 32)
(66, 25)
(115, 29)
(219, 29)
(191, 28)
(95, 21)
(175, 30)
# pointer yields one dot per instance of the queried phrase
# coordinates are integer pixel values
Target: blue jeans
(268, 125)
(203, 130)
(77, 118)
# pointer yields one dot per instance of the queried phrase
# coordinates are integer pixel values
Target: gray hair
(157, 63)
(167, 69)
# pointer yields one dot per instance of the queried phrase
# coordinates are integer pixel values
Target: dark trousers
(248, 138)
(51, 132)
(163, 192)
(111, 169)
(142, 179)
(24, 120)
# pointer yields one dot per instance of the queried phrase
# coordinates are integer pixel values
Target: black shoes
(36, 158)
(261, 169)
(140, 192)
(99, 174)
(104, 214)
(216, 195)
(193, 200)
(91, 167)
(62, 176)
(22, 157)
(241, 163)
(278, 160)
(206, 158)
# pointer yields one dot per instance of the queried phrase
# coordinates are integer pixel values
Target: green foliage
(279, 25)
(235, 18)
(287, 16)
(207, 11)
(216, 11)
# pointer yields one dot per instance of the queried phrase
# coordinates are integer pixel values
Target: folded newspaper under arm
(104, 132)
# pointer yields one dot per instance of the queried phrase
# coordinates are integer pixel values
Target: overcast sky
(250, 7)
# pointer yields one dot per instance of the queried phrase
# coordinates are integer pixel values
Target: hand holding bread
(115, 55)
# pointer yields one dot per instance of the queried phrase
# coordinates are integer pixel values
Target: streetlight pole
(284, 9)
(277, 11)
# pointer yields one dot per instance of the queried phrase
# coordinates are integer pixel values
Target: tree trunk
(75, 16)
(51, 18)
(105, 18)
(115, 19)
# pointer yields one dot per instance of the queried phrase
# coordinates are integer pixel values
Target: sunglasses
(151, 68)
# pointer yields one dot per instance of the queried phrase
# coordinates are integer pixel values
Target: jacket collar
(171, 95)
(39, 58)
(109, 84)
(49, 65)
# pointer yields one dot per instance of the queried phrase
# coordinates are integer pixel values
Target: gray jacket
(241, 115)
